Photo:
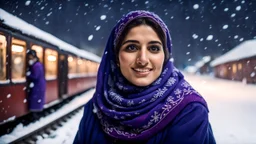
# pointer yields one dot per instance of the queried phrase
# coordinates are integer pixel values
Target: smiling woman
(141, 56)
(140, 96)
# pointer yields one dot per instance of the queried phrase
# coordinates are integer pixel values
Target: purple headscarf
(129, 112)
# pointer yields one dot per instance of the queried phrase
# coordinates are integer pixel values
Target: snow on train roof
(26, 28)
(244, 50)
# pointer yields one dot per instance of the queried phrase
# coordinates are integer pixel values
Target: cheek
(124, 59)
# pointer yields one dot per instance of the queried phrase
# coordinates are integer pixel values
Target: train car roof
(28, 29)
(244, 50)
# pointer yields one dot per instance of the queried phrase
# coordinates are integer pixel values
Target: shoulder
(191, 125)
(194, 112)
(89, 130)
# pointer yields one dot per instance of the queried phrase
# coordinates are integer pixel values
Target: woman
(36, 83)
(140, 96)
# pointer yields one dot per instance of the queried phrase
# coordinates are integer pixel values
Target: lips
(142, 72)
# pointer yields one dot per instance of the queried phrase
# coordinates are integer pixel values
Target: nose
(142, 58)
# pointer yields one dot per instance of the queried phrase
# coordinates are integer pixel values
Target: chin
(141, 84)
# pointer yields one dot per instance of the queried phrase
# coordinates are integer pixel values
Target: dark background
(75, 20)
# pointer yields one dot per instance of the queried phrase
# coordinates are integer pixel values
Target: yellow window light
(17, 48)
(70, 59)
(51, 58)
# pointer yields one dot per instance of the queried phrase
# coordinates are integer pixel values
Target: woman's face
(141, 56)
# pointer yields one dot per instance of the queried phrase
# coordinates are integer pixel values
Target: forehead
(142, 32)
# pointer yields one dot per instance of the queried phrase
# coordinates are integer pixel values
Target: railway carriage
(68, 70)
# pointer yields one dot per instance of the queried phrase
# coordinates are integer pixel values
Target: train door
(63, 71)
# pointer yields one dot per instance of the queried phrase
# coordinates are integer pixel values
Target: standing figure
(36, 83)
(140, 96)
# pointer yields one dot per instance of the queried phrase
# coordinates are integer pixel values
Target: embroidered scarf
(129, 112)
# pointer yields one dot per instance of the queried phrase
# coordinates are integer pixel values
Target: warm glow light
(51, 58)
(79, 62)
(37, 48)
(70, 59)
(17, 48)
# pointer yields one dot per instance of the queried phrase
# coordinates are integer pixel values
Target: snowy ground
(232, 108)
(232, 112)
(64, 135)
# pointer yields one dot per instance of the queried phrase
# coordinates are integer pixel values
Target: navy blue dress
(191, 126)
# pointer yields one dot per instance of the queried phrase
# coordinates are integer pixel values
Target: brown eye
(131, 48)
(154, 49)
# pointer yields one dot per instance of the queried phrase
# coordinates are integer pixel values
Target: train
(68, 69)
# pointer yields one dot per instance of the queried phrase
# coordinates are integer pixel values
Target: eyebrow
(135, 41)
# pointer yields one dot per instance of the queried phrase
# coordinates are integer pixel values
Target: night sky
(198, 28)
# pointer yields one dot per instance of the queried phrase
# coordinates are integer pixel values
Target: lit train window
(51, 64)
(39, 52)
(83, 67)
(72, 65)
(18, 59)
(3, 44)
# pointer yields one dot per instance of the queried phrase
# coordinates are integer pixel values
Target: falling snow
(27, 3)
(31, 85)
(233, 15)
(195, 36)
(9, 95)
(209, 37)
(253, 74)
(238, 8)
(103, 17)
(97, 28)
(49, 13)
(196, 6)
(90, 37)
(225, 27)
(226, 9)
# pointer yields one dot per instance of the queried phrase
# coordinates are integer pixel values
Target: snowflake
(155, 117)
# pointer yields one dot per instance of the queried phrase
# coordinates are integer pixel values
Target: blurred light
(70, 59)
(17, 48)
(51, 58)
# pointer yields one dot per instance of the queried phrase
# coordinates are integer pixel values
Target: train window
(18, 59)
(51, 64)
(72, 65)
(83, 66)
(39, 52)
(80, 66)
(3, 44)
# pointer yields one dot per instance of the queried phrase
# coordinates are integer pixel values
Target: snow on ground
(232, 108)
(21, 130)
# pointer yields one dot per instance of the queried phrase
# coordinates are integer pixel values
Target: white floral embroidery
(171, 81)
(177, 92)
(115, 97)
(155, 117)
(130, 103)
(158, 81)
(142, 101)
(158, 94)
